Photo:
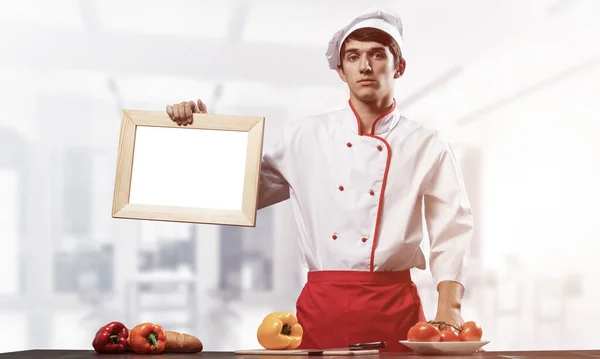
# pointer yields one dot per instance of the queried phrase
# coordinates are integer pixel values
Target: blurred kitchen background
(514, 84)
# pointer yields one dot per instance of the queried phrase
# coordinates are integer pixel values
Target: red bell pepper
(148, 338)
(111, 339)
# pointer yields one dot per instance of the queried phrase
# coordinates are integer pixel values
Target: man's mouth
(366, 82)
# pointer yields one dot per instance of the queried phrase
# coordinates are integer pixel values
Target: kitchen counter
(89, 354)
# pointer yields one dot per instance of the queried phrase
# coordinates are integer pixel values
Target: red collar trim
(377, 120)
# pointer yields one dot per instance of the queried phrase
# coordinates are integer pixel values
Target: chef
(358, 179)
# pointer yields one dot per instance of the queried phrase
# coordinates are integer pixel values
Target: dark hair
(375, 35)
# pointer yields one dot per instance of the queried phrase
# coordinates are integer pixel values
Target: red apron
(339, 308)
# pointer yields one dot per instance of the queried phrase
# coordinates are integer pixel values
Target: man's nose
(365, 65)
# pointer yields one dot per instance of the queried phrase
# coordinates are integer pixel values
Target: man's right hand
(182, 112)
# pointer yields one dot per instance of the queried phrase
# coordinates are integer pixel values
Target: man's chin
(365, 96)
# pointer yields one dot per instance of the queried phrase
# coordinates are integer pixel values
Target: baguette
(182, 343)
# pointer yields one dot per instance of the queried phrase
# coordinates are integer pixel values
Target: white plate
(447, 348)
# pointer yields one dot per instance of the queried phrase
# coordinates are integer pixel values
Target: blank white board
(206, 172)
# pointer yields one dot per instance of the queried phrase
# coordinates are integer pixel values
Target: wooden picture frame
(206, 172)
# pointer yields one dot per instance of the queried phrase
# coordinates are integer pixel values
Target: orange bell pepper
(148, 338)
(280, 330)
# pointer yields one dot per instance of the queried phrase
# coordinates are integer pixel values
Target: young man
(358, 179)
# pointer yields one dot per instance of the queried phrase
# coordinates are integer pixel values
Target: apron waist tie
(350, 276)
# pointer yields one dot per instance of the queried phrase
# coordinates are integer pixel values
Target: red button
(349, 144)
(371, 193)
(364, 239)
(380, 148)
(341, 188)
(334, 237)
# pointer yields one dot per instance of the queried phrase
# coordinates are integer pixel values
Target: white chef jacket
(357, 199)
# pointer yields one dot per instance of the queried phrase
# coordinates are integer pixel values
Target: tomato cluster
(441, 332)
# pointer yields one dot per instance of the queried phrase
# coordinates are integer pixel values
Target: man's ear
(341, 73)
(401, 68)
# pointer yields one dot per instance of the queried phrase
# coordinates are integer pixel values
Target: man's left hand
(450, 316)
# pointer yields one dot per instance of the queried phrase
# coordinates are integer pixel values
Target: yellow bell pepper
(280, 330)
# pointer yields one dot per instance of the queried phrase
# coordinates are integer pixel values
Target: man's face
(368, 69)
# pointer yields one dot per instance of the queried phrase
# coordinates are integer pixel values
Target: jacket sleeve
(449, 219)
(273, 187)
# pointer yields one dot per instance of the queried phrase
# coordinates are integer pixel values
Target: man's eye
(378, 55)
(352, 57)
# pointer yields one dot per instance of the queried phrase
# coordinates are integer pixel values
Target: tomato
(424, 332)
(470, 331)
(410, 336)
(449, 336)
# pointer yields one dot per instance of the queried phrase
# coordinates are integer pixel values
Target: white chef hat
(380, 19)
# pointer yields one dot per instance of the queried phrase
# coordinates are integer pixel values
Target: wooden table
(90, 354)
